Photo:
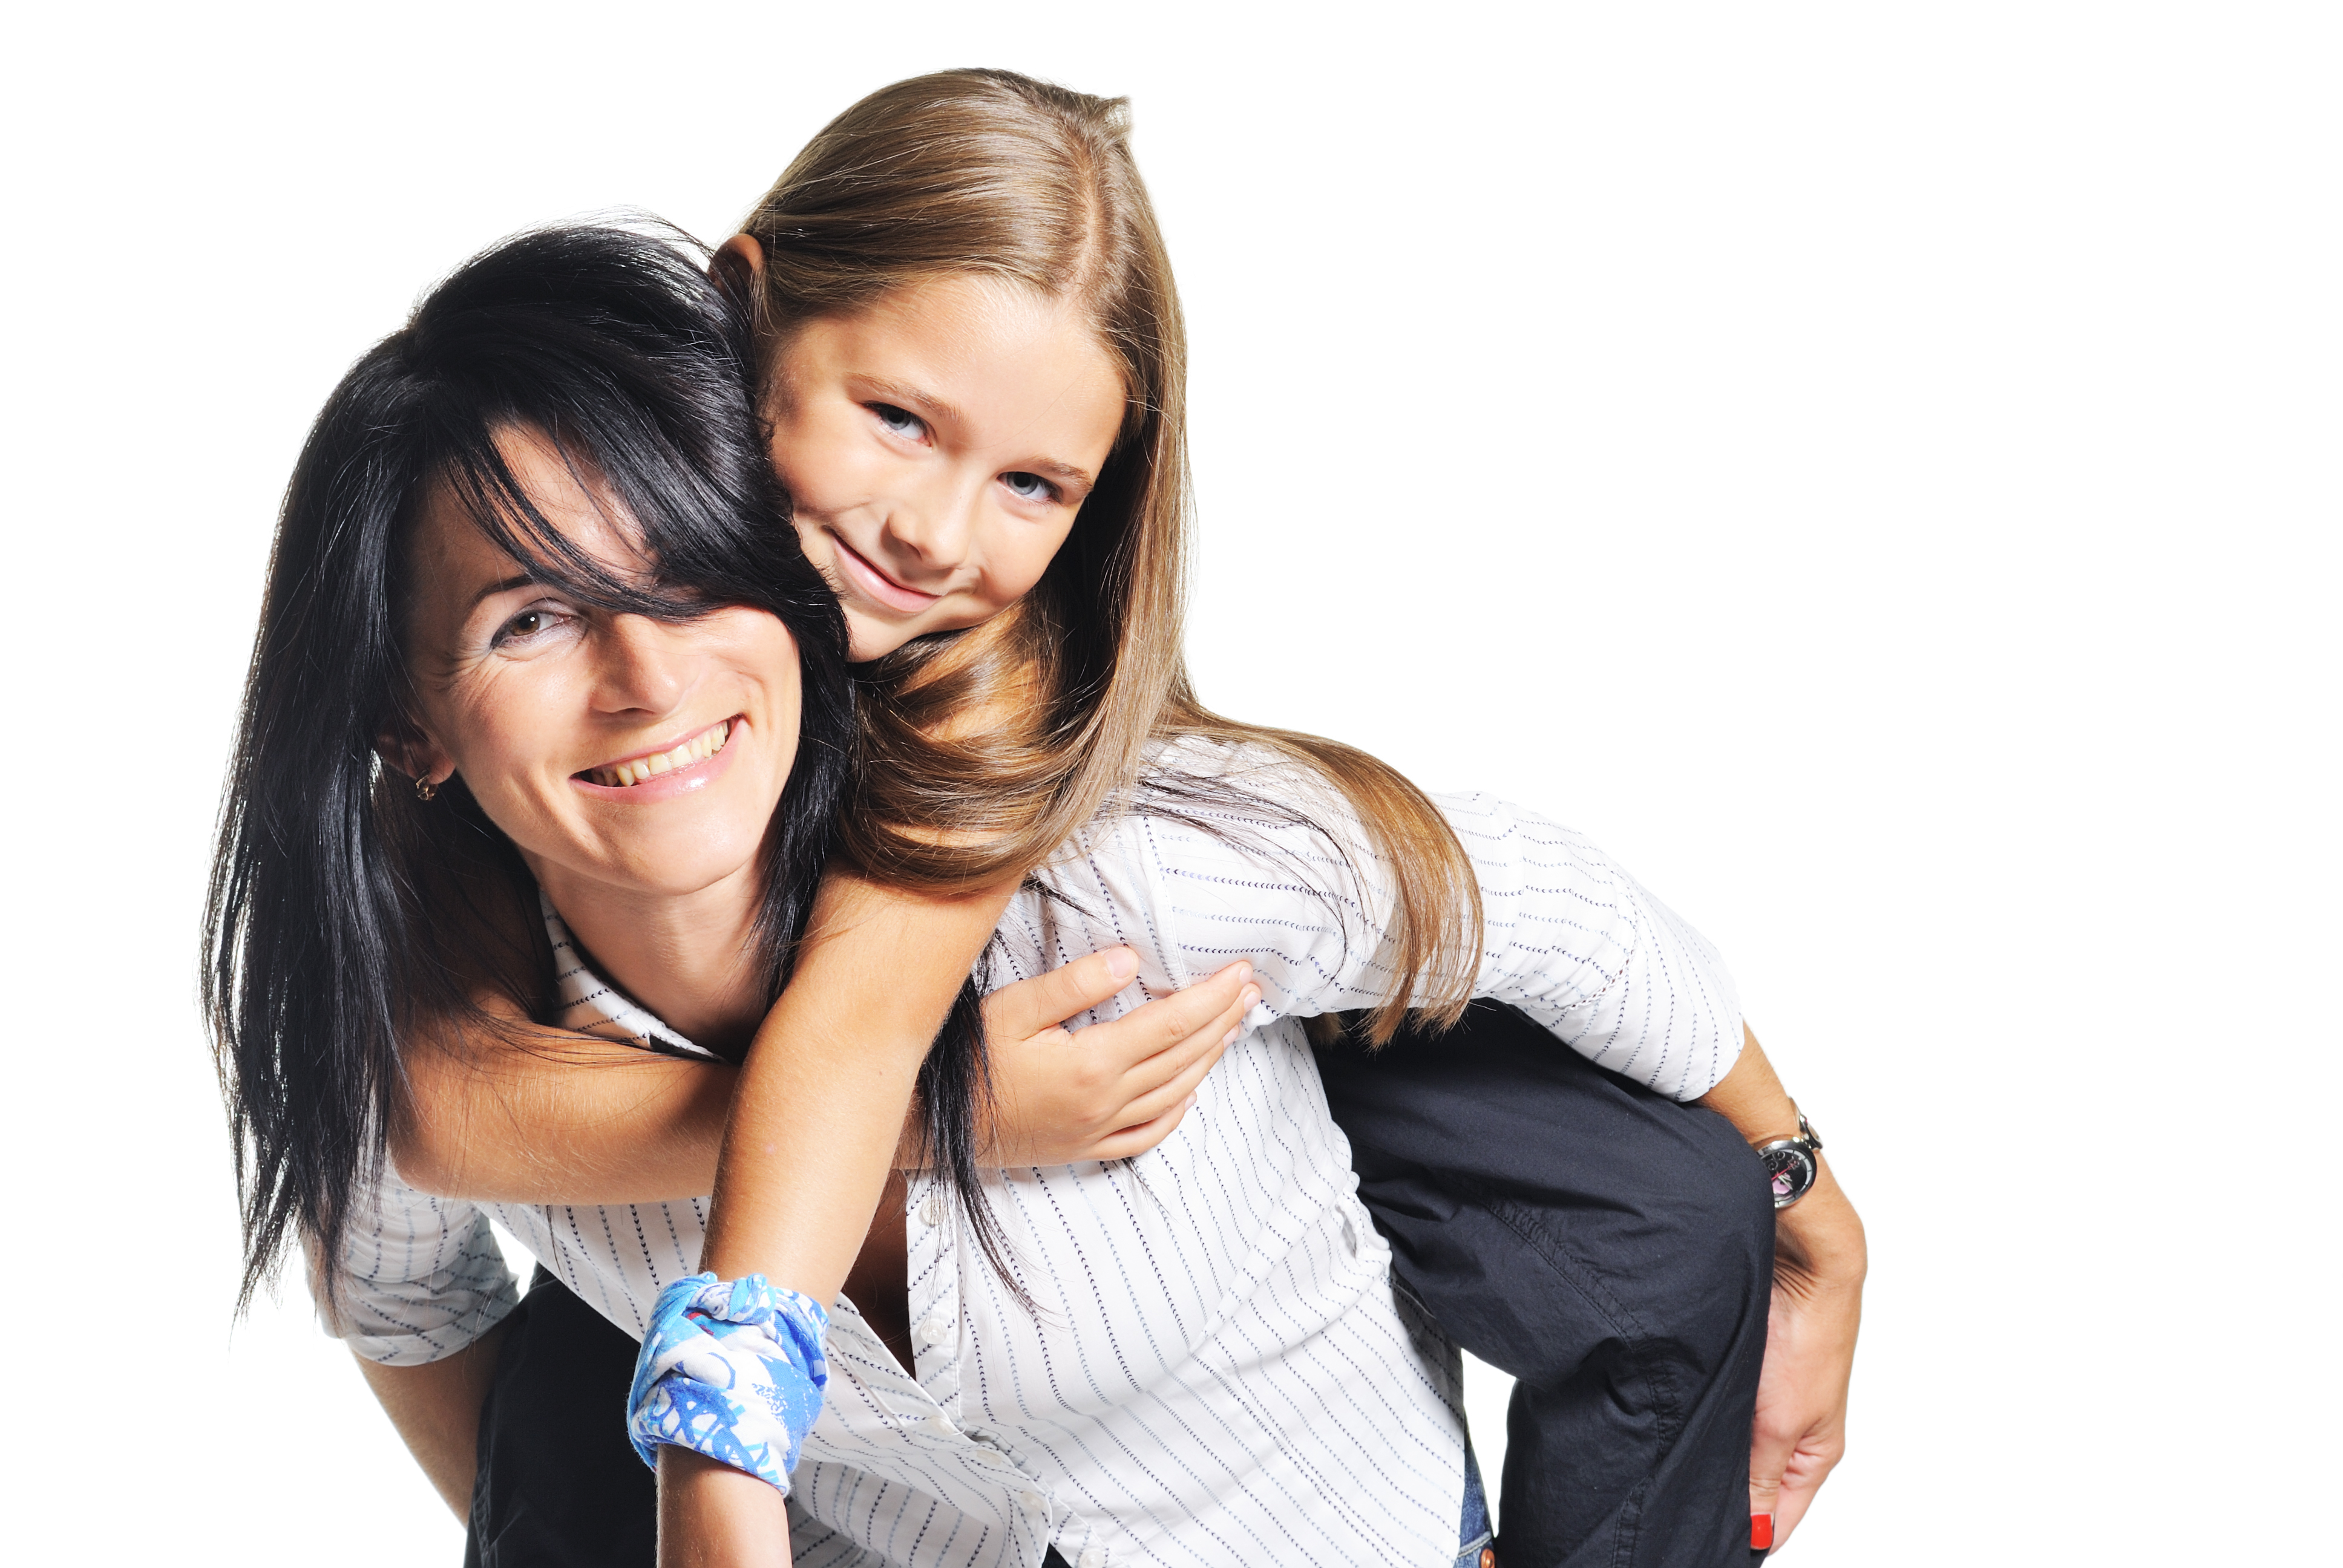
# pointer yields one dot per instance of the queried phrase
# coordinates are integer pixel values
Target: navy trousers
(1609, 1248)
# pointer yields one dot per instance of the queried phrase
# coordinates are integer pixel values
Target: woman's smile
(661, 773)
(555, 711)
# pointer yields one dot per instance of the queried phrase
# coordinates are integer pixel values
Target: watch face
(1792, 1170)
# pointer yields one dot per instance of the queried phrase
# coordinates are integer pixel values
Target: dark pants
(559, 1485)
(1610, 1249)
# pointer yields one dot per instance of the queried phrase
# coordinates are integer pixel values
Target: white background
(1873, 467)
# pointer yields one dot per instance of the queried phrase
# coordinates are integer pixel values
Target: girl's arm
(531, 1114)
(813, 1133)
(816, 1120)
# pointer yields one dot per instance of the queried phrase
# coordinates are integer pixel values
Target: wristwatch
(1790, 1162)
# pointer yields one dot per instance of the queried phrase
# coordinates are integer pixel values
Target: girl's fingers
(1030, 1007)
(1172, 1095)
(1169, 1022)
(1145, 1084)
(1139, 1140)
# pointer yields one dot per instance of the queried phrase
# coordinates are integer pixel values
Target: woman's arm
(1819, 1262)
(1579, 946)
(437, 1409)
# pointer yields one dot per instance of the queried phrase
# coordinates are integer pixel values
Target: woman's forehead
(568, 500)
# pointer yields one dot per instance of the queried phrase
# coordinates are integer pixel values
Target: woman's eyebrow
(489, 592)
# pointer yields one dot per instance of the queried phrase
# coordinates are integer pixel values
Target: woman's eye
(529, 624)
(1028, 487)
(900, 421)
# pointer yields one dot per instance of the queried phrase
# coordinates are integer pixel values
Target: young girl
(1083, 652)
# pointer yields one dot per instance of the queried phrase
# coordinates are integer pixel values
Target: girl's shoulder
(1242, 817)
(1243, 782)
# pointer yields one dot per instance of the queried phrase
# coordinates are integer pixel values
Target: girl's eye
(900, 421)
(1028, 487)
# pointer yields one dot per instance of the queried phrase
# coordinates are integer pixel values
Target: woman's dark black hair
(342, 906)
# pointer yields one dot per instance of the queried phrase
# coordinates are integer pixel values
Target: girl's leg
(558, 1484)
(1611, 1249)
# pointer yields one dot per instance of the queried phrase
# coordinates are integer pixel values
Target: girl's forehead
(957, 320)
(992, 359)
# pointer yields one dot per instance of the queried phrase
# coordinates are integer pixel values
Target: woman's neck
(689, 958)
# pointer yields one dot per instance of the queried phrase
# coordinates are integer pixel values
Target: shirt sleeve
(1568, 936)
(416, 1279)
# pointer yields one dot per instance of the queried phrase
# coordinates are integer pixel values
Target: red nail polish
(1761, 1532)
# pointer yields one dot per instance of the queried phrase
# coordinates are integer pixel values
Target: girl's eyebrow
(904, 392)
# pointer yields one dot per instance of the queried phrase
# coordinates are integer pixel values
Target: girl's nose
(932, 530)
(642, 667)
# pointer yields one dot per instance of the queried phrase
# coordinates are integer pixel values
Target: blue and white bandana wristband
(731, 1369)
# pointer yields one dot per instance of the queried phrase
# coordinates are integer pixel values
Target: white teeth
(701, 747)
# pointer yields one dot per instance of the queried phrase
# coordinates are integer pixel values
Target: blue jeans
(1475, 1537)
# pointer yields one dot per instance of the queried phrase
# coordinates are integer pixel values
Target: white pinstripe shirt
(1218, 1371)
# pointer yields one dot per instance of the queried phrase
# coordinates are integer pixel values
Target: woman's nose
(641, 667)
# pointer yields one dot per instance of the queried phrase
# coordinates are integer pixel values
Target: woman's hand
(1819, 1262)
(1801, 1428)
(1114, 1090)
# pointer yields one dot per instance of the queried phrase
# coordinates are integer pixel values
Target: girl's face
(937, 446)
(614, 749)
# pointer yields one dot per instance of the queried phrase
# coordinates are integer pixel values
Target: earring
(424, 789)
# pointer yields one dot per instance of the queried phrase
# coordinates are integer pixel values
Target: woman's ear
(407, 750)
(738, 267)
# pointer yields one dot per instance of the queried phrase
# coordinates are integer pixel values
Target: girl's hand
(1114, 1090)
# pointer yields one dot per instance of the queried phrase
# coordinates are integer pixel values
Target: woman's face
(615, 750)
(938, 447)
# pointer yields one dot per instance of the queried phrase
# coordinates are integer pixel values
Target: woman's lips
(877, 584)
(661, 775)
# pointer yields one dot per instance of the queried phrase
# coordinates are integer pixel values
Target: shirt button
(932, 1212)
(934, 1329)
(941, 1424)
(1092, 1557)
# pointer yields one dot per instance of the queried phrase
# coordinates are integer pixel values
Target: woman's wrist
(1822, 1236)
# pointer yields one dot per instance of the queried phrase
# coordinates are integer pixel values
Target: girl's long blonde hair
(988, 172)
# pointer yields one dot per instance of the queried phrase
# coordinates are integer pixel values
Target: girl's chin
(868, 638)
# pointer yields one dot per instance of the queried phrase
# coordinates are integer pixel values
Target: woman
(915, 687)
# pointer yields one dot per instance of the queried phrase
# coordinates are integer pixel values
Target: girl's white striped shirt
(1218, 1371)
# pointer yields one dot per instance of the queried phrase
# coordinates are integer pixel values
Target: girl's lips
(877, 584)
(679, 776)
